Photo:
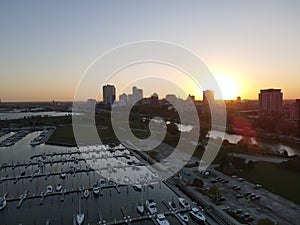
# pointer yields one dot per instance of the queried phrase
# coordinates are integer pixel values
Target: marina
(43, 178)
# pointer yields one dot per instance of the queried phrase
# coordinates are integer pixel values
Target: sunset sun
(228, 85)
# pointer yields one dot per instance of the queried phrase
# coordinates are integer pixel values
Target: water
(21, 115)
(292, 149)
(109, 205)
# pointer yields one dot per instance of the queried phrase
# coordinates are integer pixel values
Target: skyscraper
(109, 94)
(208, 97)
(123, 99)
(270, 102)
(137, 94)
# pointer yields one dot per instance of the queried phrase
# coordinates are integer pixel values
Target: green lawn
(63, 135)
(283, 182)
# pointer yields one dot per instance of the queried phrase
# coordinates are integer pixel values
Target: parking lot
(249, 201)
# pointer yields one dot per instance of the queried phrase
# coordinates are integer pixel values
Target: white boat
(161, 219)
(62, 175)
(79, 216)
(197, 215)
(172, 206)
(102, 183)
(49, 189)
(140, 208)
(3, 202)
(58, 187)
(96, 190)
(126, 180)
(183, 217)
(151, 206)
(138, 187)
(184, 203)
(86, 193)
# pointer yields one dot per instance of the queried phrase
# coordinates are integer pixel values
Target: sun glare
(228, 85)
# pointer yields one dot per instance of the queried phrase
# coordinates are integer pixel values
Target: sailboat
(79, 216)
(140, 206)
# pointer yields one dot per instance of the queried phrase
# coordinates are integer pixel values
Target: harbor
(87, 183)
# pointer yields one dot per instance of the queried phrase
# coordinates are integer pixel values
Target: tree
(198, 183)
(214, 191)
(265, 221)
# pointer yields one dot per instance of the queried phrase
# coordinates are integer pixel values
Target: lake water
(21, 115)
(109, 205)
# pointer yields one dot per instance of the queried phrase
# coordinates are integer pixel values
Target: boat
(79, 216)
(102, 183)
(3, 202)
(58, 187)
(172, 206)
(197, 215)
(126, 180)
(184, 203)
(161, 219)
(96, 190)
(183, 217)
(138, 187)
(151, 206)
(63, 175)
(86, 193)
(49, 189)
(140, 208)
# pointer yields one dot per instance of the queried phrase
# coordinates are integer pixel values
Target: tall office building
(109, 94)
(123, 99)
(137, 94)
(208, 97)
(270, 102)
(298, 109)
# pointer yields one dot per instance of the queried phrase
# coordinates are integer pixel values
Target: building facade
(109, 94)
(208, 97)
(123, 99)
(137, 94)
(270, 102)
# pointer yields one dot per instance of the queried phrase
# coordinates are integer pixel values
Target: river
(291, 148)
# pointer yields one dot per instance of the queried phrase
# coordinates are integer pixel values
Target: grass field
(283, 182)
(63, 135)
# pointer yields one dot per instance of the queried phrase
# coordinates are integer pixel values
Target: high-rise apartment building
(270, 102)
(109, 94)
(208, 97)
(137, 94)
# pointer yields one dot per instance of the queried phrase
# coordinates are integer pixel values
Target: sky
(46, 46)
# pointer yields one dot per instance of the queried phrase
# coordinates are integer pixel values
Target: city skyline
(45, 51)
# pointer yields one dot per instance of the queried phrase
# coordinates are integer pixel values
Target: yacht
(63, 175)
(86, 193)
(161, 219)
(96, 190)
(183, 217)
(58, 187)
(126, 180)
(49, 189)
(102, 183)
(3, 202)
(172, 206)
(79, 216)
(197, 215)
(140, 208)
(151, 206)
(138, 187)
(184, 203)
